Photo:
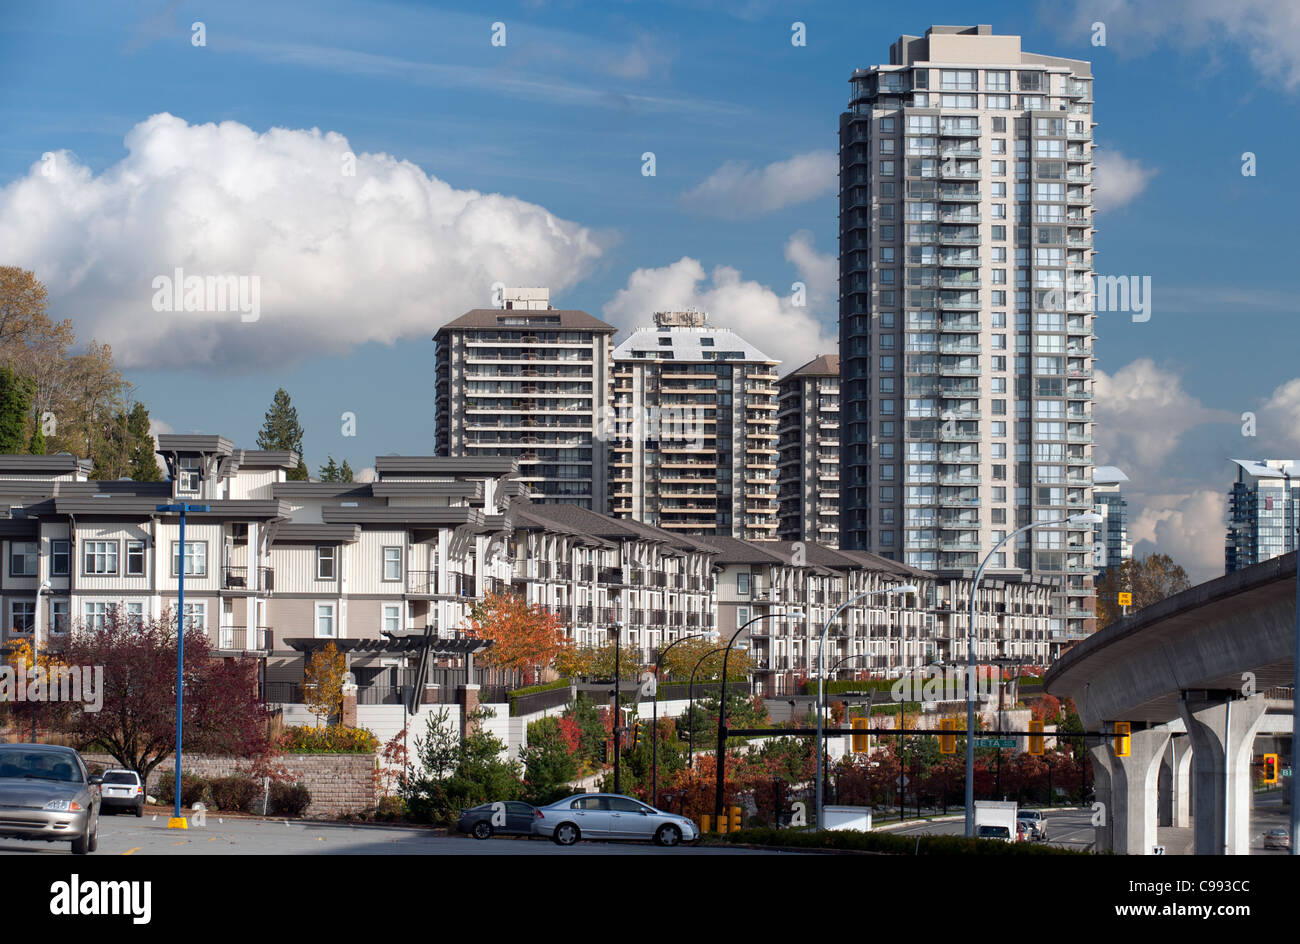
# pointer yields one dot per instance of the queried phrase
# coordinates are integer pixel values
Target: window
(997, 81)
(60, 616)
(135, 614)
(22, 615)
(392, 618)
(187, 471)
(961, 81)
(24, 559)
(392, 563)
(135, 559)
(99, 558)
(96, 615)
(196, 558)
(742, 583)
(60, 558)
(196, 616)
(325, 558)
(325, 627)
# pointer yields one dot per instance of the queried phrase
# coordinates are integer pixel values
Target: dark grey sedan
(46, 792)
(507, 817)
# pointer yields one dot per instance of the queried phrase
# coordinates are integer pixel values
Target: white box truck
(995, 819)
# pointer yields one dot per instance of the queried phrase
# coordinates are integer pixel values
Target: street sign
(1286, 771)
(1126, 599)
(903, 781)
(996, 742)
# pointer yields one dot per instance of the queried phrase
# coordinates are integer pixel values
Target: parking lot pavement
(126, 835)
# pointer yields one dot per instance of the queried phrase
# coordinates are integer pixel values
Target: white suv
(122, 789)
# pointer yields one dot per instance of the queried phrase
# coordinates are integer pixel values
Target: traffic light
(1122, 741)
(947, 742)
(860, 741)
(735, 825)
(1036, 738)
(1270, 768)
(636, 733)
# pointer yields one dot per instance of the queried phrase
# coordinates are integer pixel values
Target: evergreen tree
(345, 472)
(36, 446)
(281, 430)
(15, 403)
(329, 472)
(142, 455)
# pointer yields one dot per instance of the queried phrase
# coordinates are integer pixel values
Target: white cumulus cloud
(767, 320)
(737, 190)
(388, 253)
(1277, 427)
(1266, 31)
(1119, 179)
(1142, 413)
(1188, 527)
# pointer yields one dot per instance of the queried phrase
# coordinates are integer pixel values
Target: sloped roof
(544, 319)
(823, 365)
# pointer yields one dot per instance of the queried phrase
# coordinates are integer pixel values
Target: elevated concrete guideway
(1203, 638)
(1187, 674)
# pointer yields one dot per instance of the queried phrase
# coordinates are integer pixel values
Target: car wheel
(481, 830)
(85, 843)
(668, 835)
(566, 834)
(139, 809)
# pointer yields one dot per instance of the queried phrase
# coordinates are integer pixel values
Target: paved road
(126, 835)
(1071, 829)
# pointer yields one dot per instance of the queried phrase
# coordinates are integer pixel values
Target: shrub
(194, 789)
(236, 794)
(390, 808)
(335, 739)
(289, 799)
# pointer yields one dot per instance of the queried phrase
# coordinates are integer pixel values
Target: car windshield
(120, 776)
(39, 765)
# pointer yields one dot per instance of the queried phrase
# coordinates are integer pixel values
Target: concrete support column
(1179, 756)
(1101, 788)
(1222, 730)
(1131, 807)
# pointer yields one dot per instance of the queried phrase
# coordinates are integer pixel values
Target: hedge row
(334, 739)
(234, 794)
(534, 689)
(887, 843)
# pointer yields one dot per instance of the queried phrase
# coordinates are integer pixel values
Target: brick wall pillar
(429, 695)
(349, 718)
(467, 698)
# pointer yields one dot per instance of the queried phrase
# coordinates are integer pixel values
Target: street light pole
(654, 731)
(821, 678)
(1086, 517)
(690, 705)
(618, 641)
(721, 757)
(36, 640)
(178, 821)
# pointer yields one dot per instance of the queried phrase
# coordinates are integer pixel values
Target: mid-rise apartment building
(1112, 533)
(695, 430)
(528, 382)
(966, 325)
(808, 463)
(1263, 512)
(388, 571)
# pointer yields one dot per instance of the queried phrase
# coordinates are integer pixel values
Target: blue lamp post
(178, 821)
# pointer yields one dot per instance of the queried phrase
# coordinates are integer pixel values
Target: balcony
(236, 578)
(237, 637)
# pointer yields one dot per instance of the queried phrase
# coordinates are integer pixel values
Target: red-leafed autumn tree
(525, 637)
(137, 722)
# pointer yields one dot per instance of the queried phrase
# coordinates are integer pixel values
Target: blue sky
(557, 121)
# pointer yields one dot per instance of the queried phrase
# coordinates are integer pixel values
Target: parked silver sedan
(602, 816)
(46, 792)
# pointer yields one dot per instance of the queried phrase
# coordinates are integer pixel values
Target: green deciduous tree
(15, 406)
